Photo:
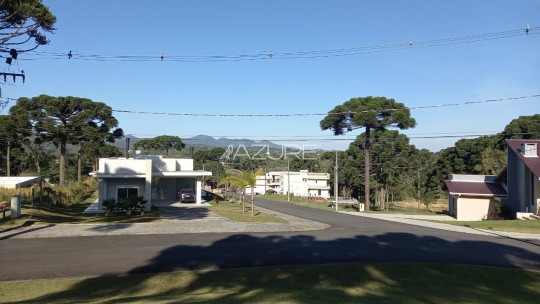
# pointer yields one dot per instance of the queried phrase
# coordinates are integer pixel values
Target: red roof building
(473, 197)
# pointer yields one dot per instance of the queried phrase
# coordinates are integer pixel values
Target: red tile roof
(533, 163)
(479, 188)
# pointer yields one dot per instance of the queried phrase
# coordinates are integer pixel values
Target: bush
(109, 205)
(495, 212)
(507, 214)
(128, 206)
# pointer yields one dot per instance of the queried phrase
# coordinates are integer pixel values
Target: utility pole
(79, 163)
(288, 182)
(14, 75)
(127, 147)
(336, 192)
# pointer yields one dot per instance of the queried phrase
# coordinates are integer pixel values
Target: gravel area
(176, 219)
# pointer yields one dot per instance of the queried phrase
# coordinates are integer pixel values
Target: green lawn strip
(522, 226)
(325, 205)
(331, 283)
(304, 201)
(233, 211)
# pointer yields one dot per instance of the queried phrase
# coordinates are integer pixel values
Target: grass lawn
(303, 201)
(332, 283)
(523, 226)
(396, 208)
(233, 210)
(49, 214)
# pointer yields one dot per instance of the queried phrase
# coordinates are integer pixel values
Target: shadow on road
(241, 251)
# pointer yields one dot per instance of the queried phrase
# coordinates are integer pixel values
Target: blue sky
(415, 76)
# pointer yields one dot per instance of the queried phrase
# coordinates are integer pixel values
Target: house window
(125, 192)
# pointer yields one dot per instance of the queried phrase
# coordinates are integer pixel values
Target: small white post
(198, 199)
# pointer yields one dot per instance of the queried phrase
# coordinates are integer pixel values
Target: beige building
(473, 197)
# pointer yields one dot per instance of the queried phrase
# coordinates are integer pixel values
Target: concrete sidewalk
(424, 220)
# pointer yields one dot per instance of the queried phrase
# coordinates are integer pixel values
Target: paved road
(350, 239)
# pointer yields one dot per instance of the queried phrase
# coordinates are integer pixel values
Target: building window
(125, 192)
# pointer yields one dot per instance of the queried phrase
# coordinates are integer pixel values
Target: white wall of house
(154, 177)
(302, 183)
(473, 208)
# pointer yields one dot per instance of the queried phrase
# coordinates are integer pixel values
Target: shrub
(495, 212)
(109, 205)
(127, 206)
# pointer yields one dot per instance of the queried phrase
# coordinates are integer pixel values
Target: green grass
(406, 283)
(304, 201)
(233, 211)
(72, 214)
(523, 226)
(395, 208)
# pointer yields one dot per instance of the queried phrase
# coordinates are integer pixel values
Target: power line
(276, 55)
(327, 113)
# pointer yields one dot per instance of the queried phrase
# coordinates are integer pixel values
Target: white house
(302, 183)
(153, 177)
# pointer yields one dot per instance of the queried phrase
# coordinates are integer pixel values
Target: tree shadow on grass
(372, 281)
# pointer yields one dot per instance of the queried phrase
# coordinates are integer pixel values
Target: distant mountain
(204, 141)
(209, 141)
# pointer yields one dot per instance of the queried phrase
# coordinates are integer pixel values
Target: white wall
(13, 182)
(473, 209)
(122, 166)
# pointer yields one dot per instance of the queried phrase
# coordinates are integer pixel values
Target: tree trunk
(96, 162)
(252, 201)
(62, 162)
(243, 200)
(366, 171)
(79, 163)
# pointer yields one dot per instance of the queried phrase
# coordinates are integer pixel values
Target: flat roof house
(150, 176)
(302, 183)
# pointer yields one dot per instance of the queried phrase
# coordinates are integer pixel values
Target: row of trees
(34, 124)
(40, 132)
(385, 165)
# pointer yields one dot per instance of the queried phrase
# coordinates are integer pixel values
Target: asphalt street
(349, 239)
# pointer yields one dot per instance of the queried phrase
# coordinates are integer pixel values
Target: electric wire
(327, 113)
(277, 55)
